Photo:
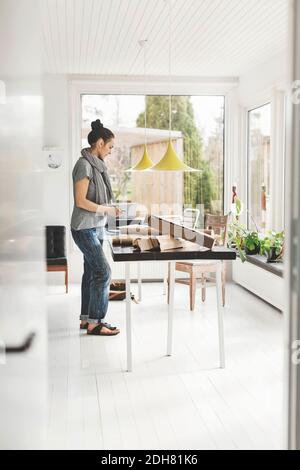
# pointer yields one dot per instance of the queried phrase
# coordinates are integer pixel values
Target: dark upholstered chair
(56, 250)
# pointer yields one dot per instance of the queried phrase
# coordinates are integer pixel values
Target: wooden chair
(56, 250)
(189, 218)
(202, 270)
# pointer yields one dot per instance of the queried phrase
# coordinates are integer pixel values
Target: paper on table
(136, 229)
(149, 243)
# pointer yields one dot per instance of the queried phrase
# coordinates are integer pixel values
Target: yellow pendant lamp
(170, 160)
(145, 162)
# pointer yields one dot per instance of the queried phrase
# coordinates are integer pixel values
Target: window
(259, 130)
(197, 135)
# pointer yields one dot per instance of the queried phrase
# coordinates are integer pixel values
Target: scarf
(100, 176)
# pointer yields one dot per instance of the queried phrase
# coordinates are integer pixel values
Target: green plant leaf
(238, 206)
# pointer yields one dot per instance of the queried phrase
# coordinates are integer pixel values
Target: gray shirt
(81, 218)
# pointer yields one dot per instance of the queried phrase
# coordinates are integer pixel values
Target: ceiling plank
(209, 37)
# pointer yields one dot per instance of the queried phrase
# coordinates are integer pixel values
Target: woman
(92, 198)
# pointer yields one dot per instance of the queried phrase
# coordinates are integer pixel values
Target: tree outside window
(197, 133)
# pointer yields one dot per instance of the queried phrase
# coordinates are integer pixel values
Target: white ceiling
(209, 37)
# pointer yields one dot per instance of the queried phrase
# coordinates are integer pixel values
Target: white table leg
(171, 308)
(220, 314)
(128, 318)
(139, 280)
(166, 279)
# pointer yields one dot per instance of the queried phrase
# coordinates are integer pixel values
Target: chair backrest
(55, 241)
(218, 224)
(191, 217)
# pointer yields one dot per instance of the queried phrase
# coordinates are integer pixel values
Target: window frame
(249, 110)
(222, 194)
(156, 86)
(277, 97)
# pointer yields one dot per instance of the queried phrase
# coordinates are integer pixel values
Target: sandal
(109, 326)
(84, 326)
(97, 331)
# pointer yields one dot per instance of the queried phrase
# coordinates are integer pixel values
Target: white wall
(56, 134)
(57, 203)
(257, 84)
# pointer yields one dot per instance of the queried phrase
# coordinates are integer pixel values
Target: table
(191, 251)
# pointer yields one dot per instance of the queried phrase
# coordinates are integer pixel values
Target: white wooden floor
(178, 402)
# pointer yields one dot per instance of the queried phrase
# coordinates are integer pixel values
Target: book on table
(149, 243)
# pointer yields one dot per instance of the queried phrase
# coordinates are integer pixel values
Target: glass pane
(204, 149)
(197, 135)
(118, 113)
(259, 168)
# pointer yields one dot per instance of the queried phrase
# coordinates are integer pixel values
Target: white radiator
(262, 283)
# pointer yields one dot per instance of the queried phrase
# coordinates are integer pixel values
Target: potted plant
(237, 231)
(272, 246)
(236, 238)
(252, 243)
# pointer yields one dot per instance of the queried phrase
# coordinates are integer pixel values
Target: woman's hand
(113, 211)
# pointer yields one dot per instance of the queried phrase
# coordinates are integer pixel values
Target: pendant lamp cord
(145, 90)
(170, 39)
(143, 44)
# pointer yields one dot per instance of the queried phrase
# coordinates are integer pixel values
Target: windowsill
(261, 262)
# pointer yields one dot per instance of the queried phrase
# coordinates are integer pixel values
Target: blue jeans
(96, 275)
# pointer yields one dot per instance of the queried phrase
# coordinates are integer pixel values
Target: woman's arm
(81, 189)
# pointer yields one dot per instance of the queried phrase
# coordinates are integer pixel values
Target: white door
(23, 335)
(292, 312)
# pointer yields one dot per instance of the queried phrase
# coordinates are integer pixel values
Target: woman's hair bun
(99, 132)
(96, 125)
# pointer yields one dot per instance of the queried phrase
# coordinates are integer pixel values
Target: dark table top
(190, 252)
